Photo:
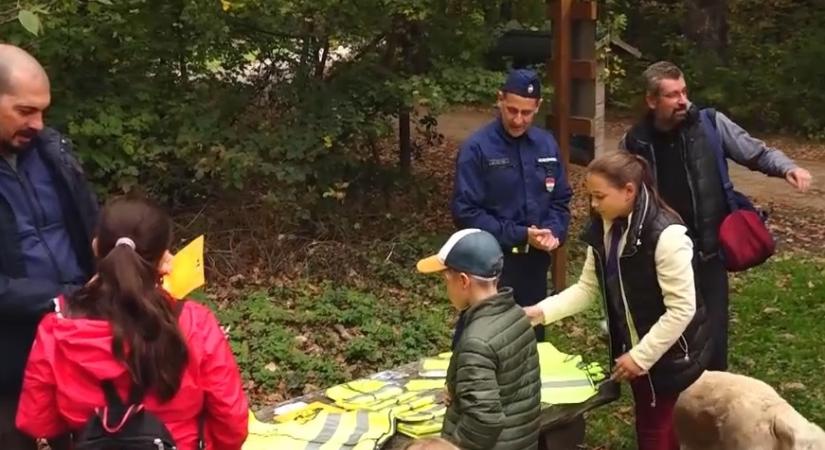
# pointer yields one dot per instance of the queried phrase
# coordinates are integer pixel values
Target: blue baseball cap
(471, 251)
(523, 82)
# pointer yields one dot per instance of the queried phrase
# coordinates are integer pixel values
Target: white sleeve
(674, 270)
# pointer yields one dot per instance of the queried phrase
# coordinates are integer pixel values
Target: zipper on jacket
(37, 225)
(652, 391)
(37, 203)
(604, 301)
(683, 344)
(628, 316)
(691, 188)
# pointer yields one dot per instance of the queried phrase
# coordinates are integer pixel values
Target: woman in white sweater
(640, 263)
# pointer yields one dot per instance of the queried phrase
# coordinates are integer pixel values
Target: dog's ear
(785, 428)
(794, 432)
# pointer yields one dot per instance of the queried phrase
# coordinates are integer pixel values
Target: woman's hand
(535, 314)
(626, 369)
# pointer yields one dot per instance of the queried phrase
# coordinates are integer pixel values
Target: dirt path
(460, 123)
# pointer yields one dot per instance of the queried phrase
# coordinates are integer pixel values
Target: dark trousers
(526, 273)
(654, 417)
(10, 437)
(713, 284)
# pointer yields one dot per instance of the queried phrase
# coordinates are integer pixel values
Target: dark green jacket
(494, 379)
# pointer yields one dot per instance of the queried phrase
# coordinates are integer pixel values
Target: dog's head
(794, 432)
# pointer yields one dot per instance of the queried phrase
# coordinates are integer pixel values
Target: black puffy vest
(685, 361)
(708, 198)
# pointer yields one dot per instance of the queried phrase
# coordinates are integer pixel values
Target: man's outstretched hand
(799, 178)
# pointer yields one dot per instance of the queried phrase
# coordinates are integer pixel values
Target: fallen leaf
(792, 386)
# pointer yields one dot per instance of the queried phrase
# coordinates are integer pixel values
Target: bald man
(47, 215)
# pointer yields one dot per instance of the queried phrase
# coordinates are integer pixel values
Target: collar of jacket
(594, 234)
(496, 304)
(502, 132)
(644, 133)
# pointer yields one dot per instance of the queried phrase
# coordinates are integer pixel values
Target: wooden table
(562, 426)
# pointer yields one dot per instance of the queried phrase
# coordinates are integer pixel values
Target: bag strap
(110, 394)
(707, 119)
(201, 433)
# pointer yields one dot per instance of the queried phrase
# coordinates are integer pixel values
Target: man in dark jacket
(510, 182)
(673, 141)
(47, 214)
(493, 378)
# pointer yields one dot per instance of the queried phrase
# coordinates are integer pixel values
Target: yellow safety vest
(418, 430)
(566, 379)
(435, 367)
(354, 430)
(376, 406)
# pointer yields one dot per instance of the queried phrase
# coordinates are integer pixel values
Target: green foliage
(193, 96)
(612, 24)
(767, 77)
(322, 335)
(313, 332)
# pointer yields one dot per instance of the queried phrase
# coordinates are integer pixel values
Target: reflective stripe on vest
(360, 430)
(363, 393)
(566, 379)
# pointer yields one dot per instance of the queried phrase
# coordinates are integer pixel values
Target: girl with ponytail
(123, 327)
(640, 262)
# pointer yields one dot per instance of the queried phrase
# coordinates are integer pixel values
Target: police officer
(510, 182)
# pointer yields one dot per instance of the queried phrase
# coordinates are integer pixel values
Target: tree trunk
(706, 24)
(506, 11)
(404, 140)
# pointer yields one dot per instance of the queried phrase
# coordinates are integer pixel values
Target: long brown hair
(621, 167)
(126, 293)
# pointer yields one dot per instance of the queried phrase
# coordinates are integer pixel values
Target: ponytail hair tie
(125, 241)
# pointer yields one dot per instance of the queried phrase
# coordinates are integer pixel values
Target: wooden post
(560, 13)
(578, 95)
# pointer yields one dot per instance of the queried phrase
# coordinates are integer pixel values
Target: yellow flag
(187, 270)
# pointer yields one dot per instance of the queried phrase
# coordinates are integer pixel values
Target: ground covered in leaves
(317, 300)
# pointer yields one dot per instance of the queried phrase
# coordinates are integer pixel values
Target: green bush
(322, 335)
(768, 77)
(288, 96)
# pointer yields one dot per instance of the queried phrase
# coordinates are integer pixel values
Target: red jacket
(70, 357)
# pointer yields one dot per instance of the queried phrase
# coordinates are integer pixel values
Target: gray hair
(658, 71)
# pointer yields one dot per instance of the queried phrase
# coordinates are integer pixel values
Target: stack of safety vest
(416, 404)
(365, 413)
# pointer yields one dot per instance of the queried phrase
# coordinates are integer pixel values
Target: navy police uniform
(504, 185)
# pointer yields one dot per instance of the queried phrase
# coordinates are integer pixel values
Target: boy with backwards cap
(493, 378)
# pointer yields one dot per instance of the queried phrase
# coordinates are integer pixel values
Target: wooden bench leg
(566, 437)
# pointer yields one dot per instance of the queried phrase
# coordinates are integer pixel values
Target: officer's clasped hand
(542, 239)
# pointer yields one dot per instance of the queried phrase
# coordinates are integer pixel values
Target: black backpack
(128, 426)
(123, 426)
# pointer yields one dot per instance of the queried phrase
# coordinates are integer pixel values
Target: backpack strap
(136, 394)
(707, 119)
(201, 425)
(110, 394)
